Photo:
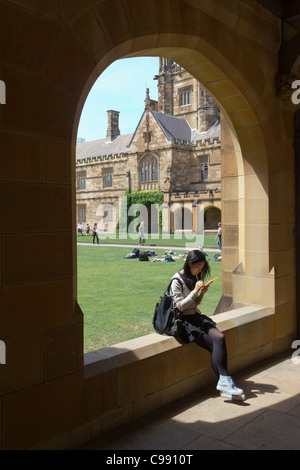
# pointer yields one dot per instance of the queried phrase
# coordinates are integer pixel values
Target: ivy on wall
(141, 198)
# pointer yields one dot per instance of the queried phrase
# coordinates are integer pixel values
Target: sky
(121, 87)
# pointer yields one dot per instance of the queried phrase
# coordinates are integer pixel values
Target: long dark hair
(195, 256)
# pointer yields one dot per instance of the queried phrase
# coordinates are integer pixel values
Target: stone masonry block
(48, 206)
(54, 407)
(23, 366)
(43, 305)
(37, 257)
(20, 157)
(56, 165)
(62, 351)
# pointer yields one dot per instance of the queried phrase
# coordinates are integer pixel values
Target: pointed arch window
(149, 172)
(81, 181)
(185, 96)
(204, 171)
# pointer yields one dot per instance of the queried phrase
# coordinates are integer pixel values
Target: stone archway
(183, 218)
(245, 139)
(52, 54)
(212, 215)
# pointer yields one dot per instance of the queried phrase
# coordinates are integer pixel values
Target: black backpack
(143, 256)
(167, 318)
(136, 251)
(130, 256)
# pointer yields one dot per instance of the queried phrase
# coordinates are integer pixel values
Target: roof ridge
(170, 115)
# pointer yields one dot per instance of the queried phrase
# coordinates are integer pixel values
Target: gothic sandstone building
(175, 149)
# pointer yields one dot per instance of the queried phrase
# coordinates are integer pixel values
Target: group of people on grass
(94, 231)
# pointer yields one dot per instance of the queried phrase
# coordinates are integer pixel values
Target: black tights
(214, 342)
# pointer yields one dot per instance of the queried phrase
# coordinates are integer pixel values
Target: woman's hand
(200, 286)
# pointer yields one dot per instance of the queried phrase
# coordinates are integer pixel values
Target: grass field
(118, 295)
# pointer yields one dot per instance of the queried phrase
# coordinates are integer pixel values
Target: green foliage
(138, 198)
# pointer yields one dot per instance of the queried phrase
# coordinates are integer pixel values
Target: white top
(185, 299)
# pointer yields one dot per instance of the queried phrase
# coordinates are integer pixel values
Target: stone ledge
(131, 379)
(242, 315)
(149, 365)
(133, 350)
(128, 380)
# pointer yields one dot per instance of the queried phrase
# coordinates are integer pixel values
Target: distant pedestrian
(79, 228)
(87, 229)
(219, 236)
(141, 233)
(95, 234)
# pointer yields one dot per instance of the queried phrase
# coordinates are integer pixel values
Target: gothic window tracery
(81, 181)
(185, 96)
(204, 171)
(149, 170)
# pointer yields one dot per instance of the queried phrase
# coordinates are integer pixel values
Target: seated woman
(188, 290)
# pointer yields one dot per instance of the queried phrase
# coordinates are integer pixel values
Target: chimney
(113, 125)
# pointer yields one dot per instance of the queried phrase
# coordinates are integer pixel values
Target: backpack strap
(169, 286)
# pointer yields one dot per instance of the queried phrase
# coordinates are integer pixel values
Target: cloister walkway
(269, 419)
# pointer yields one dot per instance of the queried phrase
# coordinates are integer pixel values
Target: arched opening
(228, 51)
(138, 164)
(212, 215)
(172, 153)
(152, 218)
(183, 220)
(236, 192)
(149, 172)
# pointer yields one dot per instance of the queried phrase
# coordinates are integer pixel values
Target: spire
(147, 99)
(149, 103)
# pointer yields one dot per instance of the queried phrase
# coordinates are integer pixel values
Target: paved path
(269, 419)
(147, 247)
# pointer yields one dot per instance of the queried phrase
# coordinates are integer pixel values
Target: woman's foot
(231, 396)
(227, 385)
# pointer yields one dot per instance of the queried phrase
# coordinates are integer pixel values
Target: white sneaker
(226, 384)
(231, 396)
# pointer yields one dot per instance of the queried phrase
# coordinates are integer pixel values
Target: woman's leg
(214, 342)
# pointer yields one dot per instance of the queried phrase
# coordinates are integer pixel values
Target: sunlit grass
(118, 295)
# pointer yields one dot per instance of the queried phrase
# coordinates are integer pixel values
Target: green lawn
(118, 295)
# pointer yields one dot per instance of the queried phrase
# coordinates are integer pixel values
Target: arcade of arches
(51, 54)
